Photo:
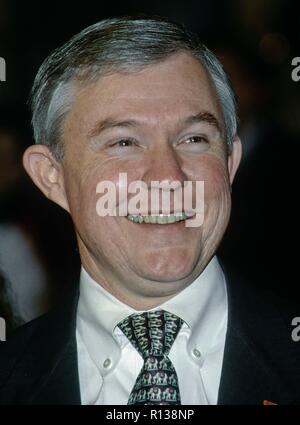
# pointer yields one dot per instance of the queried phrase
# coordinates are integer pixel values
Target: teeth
(157, 219)
(162, 219)
(171, 219)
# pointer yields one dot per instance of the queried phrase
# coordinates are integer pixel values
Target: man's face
(151, 134)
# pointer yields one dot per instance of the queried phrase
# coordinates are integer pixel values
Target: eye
(196, 139)
(123, 143)
(194, 144)
(124, 146)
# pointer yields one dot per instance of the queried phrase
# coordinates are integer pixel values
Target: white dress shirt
(109, 364)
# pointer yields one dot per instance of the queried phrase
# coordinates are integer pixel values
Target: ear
(234, 158)
(46, 173)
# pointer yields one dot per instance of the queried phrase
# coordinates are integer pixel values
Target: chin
(168, 268)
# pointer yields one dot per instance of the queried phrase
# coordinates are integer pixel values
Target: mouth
(159, 218)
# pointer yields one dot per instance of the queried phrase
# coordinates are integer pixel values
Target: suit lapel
(61, 387)
(244, 378)
(61, 384)
(256, 356)
(48, 370)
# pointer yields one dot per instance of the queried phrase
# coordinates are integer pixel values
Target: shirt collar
(98, 314)
(202, 306)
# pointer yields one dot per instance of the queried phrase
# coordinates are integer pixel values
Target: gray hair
(119, 44)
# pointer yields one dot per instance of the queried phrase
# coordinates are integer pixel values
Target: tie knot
(152, 333)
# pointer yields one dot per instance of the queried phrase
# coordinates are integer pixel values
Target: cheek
(213, 171)
(81, 186)
(217, 197)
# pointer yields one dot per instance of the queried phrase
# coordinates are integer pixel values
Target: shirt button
(196, 353)
(107, 363)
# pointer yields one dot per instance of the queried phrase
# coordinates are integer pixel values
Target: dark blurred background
(256, 41)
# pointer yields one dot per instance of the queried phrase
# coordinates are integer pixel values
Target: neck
(140, 294)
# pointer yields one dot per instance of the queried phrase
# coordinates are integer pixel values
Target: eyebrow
(206, 117)
(109, 123)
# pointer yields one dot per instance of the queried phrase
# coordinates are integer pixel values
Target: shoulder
(22, 339)
(265, 318)
(255, 300)
(32, 350)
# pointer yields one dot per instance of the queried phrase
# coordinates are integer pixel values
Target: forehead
(164, 91)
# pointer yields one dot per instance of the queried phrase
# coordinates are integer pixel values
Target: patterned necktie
(152, 334)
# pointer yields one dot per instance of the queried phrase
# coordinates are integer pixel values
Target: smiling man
(153, 319)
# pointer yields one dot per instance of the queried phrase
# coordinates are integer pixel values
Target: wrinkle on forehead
(177, 87)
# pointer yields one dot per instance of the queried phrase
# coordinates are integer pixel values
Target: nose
(164, 166)
(165, 178)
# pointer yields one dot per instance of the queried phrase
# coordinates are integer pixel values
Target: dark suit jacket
(38, 363)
